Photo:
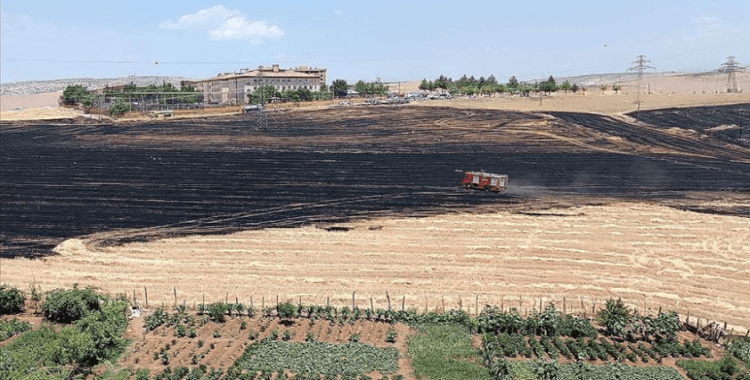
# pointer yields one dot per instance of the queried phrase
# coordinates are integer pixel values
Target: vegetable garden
(223, 341)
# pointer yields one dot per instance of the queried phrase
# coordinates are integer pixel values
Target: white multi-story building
(234, 88)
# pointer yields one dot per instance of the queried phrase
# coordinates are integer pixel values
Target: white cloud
(225, 24)
(708, 27)
(338, 13)
(204, 17)
(239, 28)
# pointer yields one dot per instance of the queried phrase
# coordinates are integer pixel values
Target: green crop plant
(390, 336)
(11, 300)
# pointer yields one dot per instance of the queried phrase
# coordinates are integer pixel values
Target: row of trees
(266, 93)
(490, 85)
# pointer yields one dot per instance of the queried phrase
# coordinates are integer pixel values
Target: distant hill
(55, 85)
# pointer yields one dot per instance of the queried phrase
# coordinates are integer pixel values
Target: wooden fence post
(353, 300)
(251, 301)
(403, 303)
(277, 300)
(145, 292)
(175, 296)
(565, 305)
(460, 303)
(372, 306)
(263, 302)
(389, 300)
(476, 304)
(134, 297)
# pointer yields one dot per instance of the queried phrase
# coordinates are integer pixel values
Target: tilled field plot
(136, 182)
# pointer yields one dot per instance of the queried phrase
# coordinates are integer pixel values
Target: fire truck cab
(485, 181)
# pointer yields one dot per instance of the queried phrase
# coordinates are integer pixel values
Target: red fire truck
(485, 181)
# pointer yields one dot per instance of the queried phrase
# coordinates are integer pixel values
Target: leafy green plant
(354, 337)
(243, 325)
(10, 327)
(287, 335)
(156, 319)
(390, 337)
(67, 306)
(179, 330)
(217, 333)
(192, 333)
(348, 359)
(274, 335)
(615, 317)
(253, 335)
(286, 310)
(310, 337)
(11, 300)
(200, 343)
(217, 310)
(141, 374)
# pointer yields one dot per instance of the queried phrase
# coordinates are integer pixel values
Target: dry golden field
(651, 256)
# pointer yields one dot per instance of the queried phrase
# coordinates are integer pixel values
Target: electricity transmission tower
(640, 67)
(262, 120)
(730, 67)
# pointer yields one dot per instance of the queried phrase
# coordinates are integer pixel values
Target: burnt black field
(60, 180)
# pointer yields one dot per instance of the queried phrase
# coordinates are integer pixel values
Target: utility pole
(640, 66)
(730, 67)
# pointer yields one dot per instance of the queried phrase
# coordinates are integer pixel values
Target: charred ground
(158, 179)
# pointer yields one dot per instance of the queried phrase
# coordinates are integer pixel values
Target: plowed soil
(223, 351)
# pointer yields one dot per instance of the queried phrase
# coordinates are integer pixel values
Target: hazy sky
(393, 40)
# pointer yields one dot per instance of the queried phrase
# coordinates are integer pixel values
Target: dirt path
(651, 256)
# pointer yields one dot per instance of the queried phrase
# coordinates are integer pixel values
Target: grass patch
(445, 352)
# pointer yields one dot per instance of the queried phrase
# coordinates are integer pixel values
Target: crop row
(514, 345)
(286, 311)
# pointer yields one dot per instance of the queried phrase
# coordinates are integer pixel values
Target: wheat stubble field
(648, 255)
(652, 208)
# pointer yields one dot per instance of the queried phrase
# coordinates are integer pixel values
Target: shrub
(310, 337)
(217, 310)
(120, 106)
(141, 374)
(179, 330)
(286, 310)
(287, 335)
(10, 327)
(243, 325)
(615, 317)
(354, 337)
(11, 300)
(67, 306)
(740, 350)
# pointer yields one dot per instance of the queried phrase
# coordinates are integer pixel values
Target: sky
(390, 40)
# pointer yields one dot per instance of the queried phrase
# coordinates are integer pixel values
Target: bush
(286, 310)
(68, 306)
(11, 300)
(740, 350)
(10, 327)
(217, 310)
(119, 106)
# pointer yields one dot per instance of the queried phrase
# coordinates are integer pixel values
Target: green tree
(549, 85)
(340, 87)
(513, 83)
(263, 94)
(566, 86)
(424, 85)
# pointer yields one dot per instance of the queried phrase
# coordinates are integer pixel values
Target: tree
(362, 87)
(549, 85)
(263, 94)
(491, 79)
(424, 85)
(513, 82)
(340, 87)
(566, 86)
